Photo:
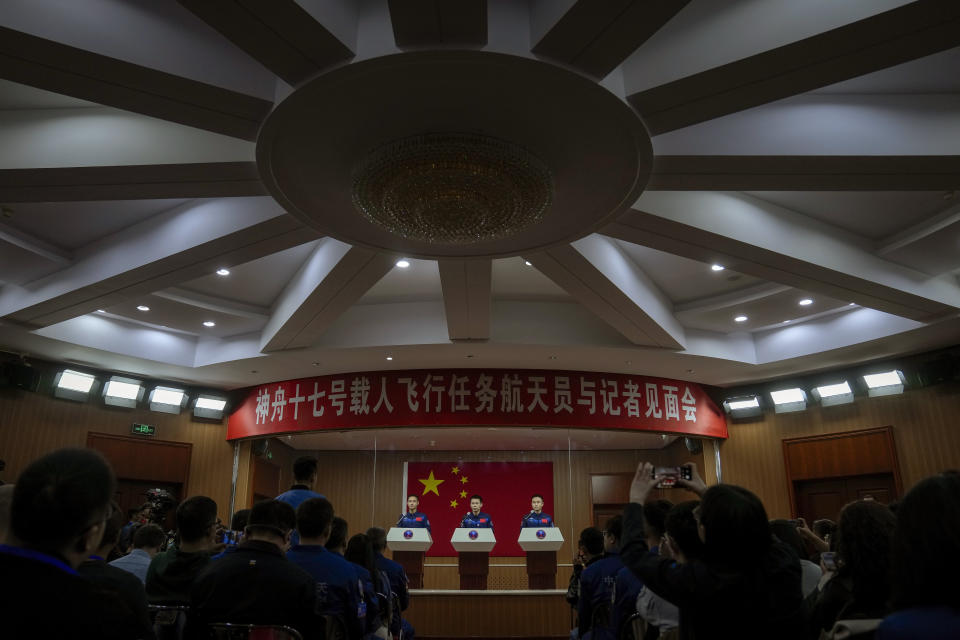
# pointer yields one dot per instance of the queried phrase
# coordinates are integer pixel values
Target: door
(817, 499)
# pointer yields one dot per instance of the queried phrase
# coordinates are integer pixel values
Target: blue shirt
(535, 520)
(369, 598)
(297, 495)
(339, 590)
(415, 520)
(136, 562)
(935, 623)
(626, 588)
(398, 585)
(596, 591)
(480, 521)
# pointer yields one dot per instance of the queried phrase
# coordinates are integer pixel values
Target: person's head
(271, 521)
(111, 531)
(360, 551)
(654, 518)
(612, 534)
(378, 539)
(143, 512)
(337, 541)
(733, 526)
(536, 502)
(591, 541)
(239, 520)
(305, 470)
(61, 503)
(314, 517)
(682, 532)
(150, 538)
(927, 544)
(864, 550)
(197, 523)
(476, 503)
(786, 532)
(6, 497)
(413, 503)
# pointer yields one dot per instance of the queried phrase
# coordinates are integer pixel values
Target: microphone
(400, 520)
(524, 518)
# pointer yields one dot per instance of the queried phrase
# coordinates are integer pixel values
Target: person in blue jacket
(412, 517)
(475, 518)
(304, 478)
(594, 615)
(536, 517)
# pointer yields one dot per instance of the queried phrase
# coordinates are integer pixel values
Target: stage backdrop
(445, 489)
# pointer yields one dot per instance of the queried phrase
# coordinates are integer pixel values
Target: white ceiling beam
(730, 299)
(214, 303)
(766, 241)
(332, 279)
(34, 245)
(175, 246)
(919, 231)
(466, 288)
(596, 272)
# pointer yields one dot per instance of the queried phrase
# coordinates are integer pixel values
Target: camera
(160, 502)
(670, 475)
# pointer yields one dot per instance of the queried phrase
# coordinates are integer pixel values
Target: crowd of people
(65, 573)
(715, 567)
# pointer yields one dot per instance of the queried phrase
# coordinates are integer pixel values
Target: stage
(498, 613)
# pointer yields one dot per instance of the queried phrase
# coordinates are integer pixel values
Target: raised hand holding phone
(690, 479)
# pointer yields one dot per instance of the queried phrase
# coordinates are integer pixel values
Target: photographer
(171, 573)
(747, 585)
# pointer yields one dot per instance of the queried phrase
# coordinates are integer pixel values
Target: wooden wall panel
(32, 424)
(490, 615)
(924, 425)
(137, 458)
(841, 454)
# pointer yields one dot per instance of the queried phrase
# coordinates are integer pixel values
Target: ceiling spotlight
(209, 323)
(528, 263)
(884, 384)
(100, 311)
(122, 392)
(789, 400)
(786, 321)
(741, 319)
(403, 264)
(223, 272)
(72, 385)
(389, 357)
(833, 394)
(743, 407)
(805, 302)
(717, 267)
(143, 307)
(852, 304)
(167, 399)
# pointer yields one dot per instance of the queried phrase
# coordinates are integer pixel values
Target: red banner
(445, 489)
(465, 397)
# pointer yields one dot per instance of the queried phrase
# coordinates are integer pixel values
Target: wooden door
(816, 499)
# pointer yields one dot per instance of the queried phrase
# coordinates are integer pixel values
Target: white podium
(541, 544)
(408, 545)
(473, 555)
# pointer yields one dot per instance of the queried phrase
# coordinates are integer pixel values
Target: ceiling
(144, 146)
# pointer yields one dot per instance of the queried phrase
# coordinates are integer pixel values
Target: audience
(254, 583)
(304, 479)
(747, 584)
(138, 517)
(147, 542)
(810, 573)
(171, 573)
(123, 584)
(376, 586)
(337, 542)
(58, 513)
(628, 586)
(237, 523)
(589, 550)
(857, 593)
(398, 582)
(338, 593)
(926, 545)
(594, 615)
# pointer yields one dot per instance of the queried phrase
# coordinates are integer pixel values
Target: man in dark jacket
(594, 615)
(747, 585)
(171, 573)
(254, 583)
(398, 581)
(589, 550)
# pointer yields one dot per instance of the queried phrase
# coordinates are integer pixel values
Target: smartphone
(670, 475)
(829, 560)
(231, 537)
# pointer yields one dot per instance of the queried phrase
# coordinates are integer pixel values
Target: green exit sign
(143, 429)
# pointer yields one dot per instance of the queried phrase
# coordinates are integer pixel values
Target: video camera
(160, 502)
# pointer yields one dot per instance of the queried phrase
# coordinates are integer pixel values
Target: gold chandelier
(452, 188)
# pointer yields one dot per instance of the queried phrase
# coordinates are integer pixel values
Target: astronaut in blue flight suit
(412, 517)
(475, 518)
(536, 517)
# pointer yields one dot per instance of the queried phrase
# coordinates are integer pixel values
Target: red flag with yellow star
(445, 488)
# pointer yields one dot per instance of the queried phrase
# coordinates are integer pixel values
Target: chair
(168, 620)
(334, 628)
(633, 628)
(230, 631)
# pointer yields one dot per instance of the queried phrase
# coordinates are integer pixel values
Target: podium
(473, 549)
(541, 544)
(408, 546)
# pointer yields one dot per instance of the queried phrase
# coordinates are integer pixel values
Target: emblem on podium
(541, 534)
(473, 535)
(408, 534)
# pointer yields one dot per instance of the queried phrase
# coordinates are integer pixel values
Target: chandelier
(452, 188)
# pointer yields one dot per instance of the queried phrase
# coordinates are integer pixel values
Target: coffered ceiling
(810, 149)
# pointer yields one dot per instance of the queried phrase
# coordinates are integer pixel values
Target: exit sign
(143, 429)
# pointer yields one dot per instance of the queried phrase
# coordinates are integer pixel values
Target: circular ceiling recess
(454, 154)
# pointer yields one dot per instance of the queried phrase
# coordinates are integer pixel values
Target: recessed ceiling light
(143, 307)
(209, 323)
(805, 302)
(740, 319)
(785, 321)
(717, 267)
(403, 264)
(100, 311)
(528, 263)
(223, 272)
(389, 357)
(553, 357)
(852, 304)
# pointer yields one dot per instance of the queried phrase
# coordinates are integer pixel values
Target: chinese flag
(445, 489)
